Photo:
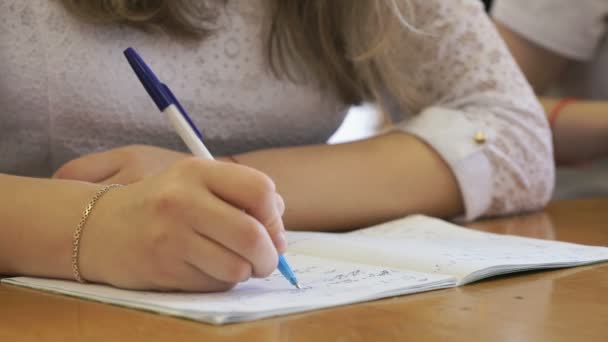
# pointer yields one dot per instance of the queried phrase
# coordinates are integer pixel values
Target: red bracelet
(553, 118)
(558, 109)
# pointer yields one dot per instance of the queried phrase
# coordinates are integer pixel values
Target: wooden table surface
(558, 305)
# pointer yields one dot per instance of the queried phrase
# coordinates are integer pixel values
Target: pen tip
(298, 286)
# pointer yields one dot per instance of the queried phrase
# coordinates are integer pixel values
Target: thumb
(91, 168)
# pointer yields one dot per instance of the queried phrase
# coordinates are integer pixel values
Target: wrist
(558, 108)
(78, 234)
(37, 225)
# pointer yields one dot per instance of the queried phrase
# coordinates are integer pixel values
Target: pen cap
(150, 82)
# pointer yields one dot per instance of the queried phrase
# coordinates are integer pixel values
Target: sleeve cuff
(461, 143)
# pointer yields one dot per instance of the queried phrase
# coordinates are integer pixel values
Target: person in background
(562, 48)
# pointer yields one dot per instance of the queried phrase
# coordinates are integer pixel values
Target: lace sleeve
(477, 110)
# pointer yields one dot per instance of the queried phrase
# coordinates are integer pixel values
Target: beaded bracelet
(78, 232)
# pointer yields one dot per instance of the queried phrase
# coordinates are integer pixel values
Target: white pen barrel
(182, 127)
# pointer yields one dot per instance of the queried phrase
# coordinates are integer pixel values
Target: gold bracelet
(78, 232)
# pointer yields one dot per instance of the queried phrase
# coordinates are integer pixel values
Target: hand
(198, 226)
(124, 165)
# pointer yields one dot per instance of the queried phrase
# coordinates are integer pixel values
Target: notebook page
(429, 245)
(326, 283)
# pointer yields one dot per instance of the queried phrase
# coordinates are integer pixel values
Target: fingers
(238, 232)
(91, 168)
(280, 204)
(278, 237)
(252, 191)
(216, 261)
(225, 242)
(181, 205)
(186, 277)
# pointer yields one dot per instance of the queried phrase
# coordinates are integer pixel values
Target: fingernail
(282, 242)
(280, 203)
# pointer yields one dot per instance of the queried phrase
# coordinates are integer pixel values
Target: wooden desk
(562, 305)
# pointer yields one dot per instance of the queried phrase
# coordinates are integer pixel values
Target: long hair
(344, 44)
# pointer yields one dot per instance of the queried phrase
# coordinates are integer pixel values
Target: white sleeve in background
(571, 28)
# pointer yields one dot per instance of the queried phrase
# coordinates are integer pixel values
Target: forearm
(346, 186)
(37, 219)
(580, 131)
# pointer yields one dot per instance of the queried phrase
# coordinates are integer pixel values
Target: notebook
(410, 255)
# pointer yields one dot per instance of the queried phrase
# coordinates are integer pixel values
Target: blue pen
(185, 127)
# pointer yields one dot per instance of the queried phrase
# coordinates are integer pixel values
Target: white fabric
(466, 157)
(66, 90)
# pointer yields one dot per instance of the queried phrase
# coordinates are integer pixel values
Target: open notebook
(409, 255)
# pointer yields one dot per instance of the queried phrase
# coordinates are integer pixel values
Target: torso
(66, 89)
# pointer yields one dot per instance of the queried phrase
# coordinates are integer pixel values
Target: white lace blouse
(66, 90)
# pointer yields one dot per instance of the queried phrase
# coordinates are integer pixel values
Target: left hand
(124, 165)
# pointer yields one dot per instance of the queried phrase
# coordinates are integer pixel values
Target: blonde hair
(346, 44)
